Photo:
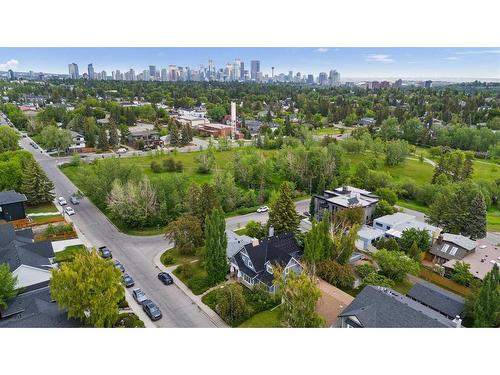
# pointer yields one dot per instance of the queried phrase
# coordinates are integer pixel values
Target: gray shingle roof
(11, 196)
(378, 307)
(460, 240)
(438, 299)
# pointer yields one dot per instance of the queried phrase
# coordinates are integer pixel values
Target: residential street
(137, 253)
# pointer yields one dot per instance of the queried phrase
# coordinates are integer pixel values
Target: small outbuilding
(12, 205)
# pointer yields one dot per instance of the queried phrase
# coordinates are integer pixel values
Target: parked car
(263, 209)
(165, 278)
(105, 252)
(74, 200)
(119, 266)
(62, 201)
(128, 281)
(151, 309)
(121, 150)
(306, 213)
(69, 210)
(34, 145)
(139, 295)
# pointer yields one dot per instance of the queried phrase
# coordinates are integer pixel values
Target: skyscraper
(254, 69)
(90, 69)
(73, 71)
(323, 79)
(152, 72)
(236, 70)
(164, 74)
(103, 75)
(334, 78)
(242, 71)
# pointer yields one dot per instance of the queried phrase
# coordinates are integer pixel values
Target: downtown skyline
(354, 63)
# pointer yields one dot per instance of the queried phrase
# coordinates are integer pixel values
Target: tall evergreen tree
(475, 218)
(215, 246)
(283, 216)
(487, 305)
(185, 136)
(102, 142)
(114, 139)
(414, 252)
(36, 185)
(174, 135)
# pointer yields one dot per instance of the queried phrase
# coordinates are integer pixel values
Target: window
(379, 224)
(453, 250)
(247, 278)
(269, 268)
(444, 249)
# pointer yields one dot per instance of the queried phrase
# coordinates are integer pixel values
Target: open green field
(264, 319)
(49, 207)
(325, 131)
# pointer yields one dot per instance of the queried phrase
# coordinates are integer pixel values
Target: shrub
(338, 275)
(169, 164)
(179, 167)
(388, 195)
(377, 279)
(58, 229)
(123, 303)
(199, 284)
(365, 269)
(156, 166)
(185, 271)
(260, 299)
(129, 320)
(167, 258)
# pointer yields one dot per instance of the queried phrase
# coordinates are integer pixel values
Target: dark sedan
(165, 278)
(119, 266)
(128, 281)
(151, 309)
(105, 252)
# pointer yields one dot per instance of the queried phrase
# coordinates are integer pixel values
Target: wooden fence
(452, 286)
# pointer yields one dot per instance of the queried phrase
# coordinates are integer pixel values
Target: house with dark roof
(345, 197)
(380, 307)
(12, 205)
(451, 246)
(438, 299)
(35, 309)
(30, 261)
(254, 263)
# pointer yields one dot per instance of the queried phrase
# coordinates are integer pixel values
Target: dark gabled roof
(242, 266)
(438, 248)
(11, 196)
(35, 309)
(437, 298)
(278, 249)
(16, 250)
(378, 307)
(266, 277)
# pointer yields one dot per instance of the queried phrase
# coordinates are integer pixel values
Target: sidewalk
(216, 319)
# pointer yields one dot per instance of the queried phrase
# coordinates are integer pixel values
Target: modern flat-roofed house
(366, 236)
(394, 225)
(254, 263)
(446, 303)
(193, 121)
(145, 133)
(451, 247)
(481, 260)
(12, 205)
(28, 260)
(216, 130)
(380, 307)
(345, 197)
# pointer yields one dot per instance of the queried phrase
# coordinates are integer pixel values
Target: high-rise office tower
(90, 69)
(104, 75)
(73, 71)
(290, 76)
(152, 72)
(334, 78)
(236, 70)
(145, 75)
(211, 70)
(310, 79)
(164, 74)
(272, 72)
(242, 71)
(323, 79)
(131, 74)
(172, 72)
(254, 69)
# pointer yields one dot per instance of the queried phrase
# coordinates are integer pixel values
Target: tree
(90, 288)
(206, 160)
(231, 304)
(51, 137)
(283, 216)
(347, 217)
(475, 218)
(36, 185)
(377, 279)
(255, 229)
(387, 195)
(461, 273)
(396, 152)
(114, 139)
(343, 243)
(383, 208)
(174, 135)
(339, 275)
(414, 252)
(186, 233)
(8, 139)
(215, 246)
(317, 242)
(7, 285)
(299, 296)
(455, 165)
(487, 305)
(418, 236)
(395, 264)
(186, 135)
(102, 141)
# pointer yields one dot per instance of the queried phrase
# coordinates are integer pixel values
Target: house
(394, 225)
(30, 261)
(216, 130)
(255, 262)
(78, 142)
(193, 121)
(12, 205)
(380, 307)
(332, 302)
(35, 309)
(366, 236)
(481, 260)
(145, 133)
(253, 126)
(367, 121)
(235, 243)
(345, 197)
(438, 299)
(451, 246)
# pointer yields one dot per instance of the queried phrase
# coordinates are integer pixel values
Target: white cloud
(11, 64)
(480, 52)
(451, 58)
(379, 58)
(322, 49)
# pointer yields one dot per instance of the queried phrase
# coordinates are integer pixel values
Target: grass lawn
(493, 219)
(69, 253)
(195, 279)
(48, 207)
(241, 231)
(264, 319)
(325, 131)
(412, 206)
(46, 219)
(403, 287)
(177, 257)
(141, 231)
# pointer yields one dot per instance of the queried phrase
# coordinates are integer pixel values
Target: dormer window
(269, 268)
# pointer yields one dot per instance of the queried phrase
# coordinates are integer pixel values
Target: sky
(354, 63)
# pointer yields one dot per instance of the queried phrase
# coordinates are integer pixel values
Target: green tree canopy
(215, 246)
(283, 216)
(7, 285)
(8, 139)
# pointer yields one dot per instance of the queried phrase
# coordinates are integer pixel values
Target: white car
(121, 150)
(263, 209)
(62, 201)
(69, 211)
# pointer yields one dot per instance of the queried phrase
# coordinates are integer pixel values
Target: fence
(452, 286)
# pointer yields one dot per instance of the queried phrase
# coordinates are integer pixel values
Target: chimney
(271, 231)
(457, 321)
(344, 189)
(255, 242)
